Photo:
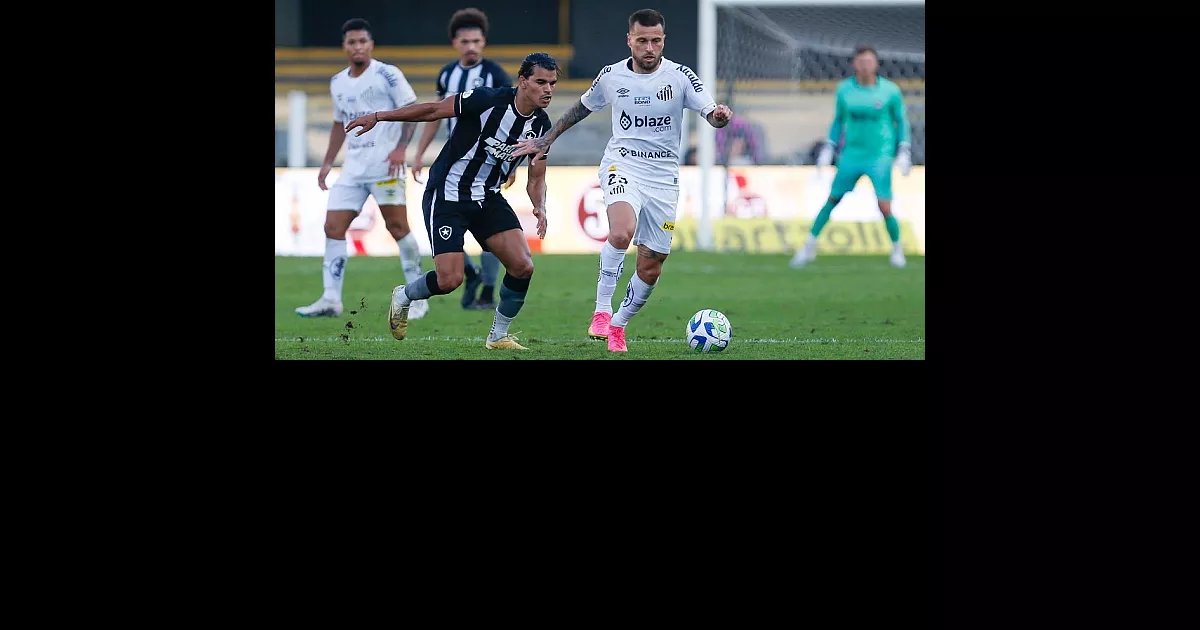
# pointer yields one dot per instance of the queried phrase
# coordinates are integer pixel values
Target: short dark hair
(537, 59)
(863, 48)
(647, 17)
(468, 18)
(356, 24)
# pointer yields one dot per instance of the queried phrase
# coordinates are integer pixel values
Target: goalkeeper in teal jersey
(870, 111)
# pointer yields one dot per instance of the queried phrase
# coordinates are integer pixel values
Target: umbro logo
(665, 94)
(444, 232)
(620, 91)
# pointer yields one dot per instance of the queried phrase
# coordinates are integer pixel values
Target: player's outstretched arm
(534, 146)
(419, 112)
(536, 188)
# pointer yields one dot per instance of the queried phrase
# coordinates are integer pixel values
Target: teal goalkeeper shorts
(849, 170)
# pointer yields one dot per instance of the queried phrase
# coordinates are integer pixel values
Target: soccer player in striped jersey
(374, 165)
(869, 110)
(463, 192)
(468, 35)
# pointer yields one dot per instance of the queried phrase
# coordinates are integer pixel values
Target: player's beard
(649, 66)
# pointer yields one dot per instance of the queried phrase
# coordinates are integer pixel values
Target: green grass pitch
(839, 307)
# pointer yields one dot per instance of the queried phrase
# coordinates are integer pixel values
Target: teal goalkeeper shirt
(873, 119)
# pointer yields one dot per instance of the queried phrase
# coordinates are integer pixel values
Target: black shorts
(448, 221)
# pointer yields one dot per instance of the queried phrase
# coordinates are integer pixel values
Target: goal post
(787, 42)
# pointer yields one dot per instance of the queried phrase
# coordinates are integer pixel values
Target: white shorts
(388, 192)
(654, 209)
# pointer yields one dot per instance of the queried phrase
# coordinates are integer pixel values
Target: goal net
(777, 63)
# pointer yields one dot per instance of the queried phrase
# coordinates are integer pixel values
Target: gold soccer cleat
(398, 315)
(507, 342)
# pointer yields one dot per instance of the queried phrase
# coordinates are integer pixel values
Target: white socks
(636, 294)
(333, 269)
(410, 257)
(499, 326)
(612, 261)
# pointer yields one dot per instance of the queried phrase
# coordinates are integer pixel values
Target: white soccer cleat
(418, 308)
(804, 255)
(320, 308)
(897, 258)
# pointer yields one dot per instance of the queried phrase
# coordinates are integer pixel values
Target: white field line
(578, 340)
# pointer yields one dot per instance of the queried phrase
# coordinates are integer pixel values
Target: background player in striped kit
(374, 165)
(468, 34)
(463, 192)
(869, 110)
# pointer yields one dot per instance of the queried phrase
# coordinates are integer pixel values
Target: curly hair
(468, 18)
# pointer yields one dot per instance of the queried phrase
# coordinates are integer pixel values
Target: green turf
(839, 307)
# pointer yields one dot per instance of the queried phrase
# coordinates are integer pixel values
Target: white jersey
(380, 87)
(647, 110)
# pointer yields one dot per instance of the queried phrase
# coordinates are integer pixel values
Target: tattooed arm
(535, 146)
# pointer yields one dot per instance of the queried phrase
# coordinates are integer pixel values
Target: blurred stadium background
(776, 64)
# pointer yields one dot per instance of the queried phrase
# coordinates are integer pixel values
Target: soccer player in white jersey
(639, 173)
(468, 31)
(374, 165)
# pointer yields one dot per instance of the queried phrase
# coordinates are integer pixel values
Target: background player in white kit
(639, 173)
(374, 165)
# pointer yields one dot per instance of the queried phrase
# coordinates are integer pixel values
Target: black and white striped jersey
(478, 155)
(455, 79)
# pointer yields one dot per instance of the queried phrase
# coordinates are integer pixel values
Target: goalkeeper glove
(825, 157)
(904, 159)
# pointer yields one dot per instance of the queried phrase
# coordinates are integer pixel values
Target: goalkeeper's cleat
(417, 309)
(321, 308)
(507, 342)
(599, 327)
(398, 314)
(897, 258)
(805, 254)
(616, 339)
(474, 279)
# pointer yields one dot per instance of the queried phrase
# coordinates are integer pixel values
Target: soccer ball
(708, 331)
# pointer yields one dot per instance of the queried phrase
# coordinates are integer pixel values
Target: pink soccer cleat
(599, 327)
(616, 339)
